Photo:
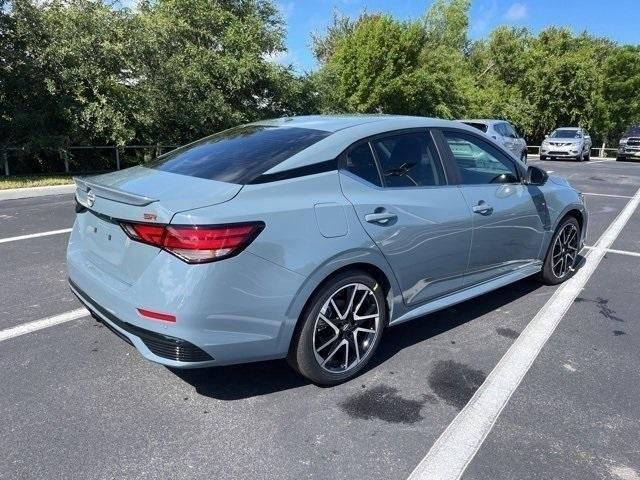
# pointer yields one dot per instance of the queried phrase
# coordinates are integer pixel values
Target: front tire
(559, 264)
(340, 329)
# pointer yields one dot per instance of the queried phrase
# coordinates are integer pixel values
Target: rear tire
(559, 263)
(620, 159)
(334, 343)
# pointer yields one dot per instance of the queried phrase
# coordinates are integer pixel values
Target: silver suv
(567, 142)
(629, 147)
(503, 133)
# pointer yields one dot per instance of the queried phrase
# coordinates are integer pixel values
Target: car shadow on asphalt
(237, 382)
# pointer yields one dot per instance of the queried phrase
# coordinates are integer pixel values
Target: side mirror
(546, 136)
(536, 176)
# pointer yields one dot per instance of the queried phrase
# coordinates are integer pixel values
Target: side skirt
(468, 293)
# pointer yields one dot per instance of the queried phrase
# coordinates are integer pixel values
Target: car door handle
(381, 218)
(482, 208)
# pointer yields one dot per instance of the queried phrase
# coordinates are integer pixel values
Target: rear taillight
(196, 243)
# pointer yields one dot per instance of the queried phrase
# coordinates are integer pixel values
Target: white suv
(567, 142)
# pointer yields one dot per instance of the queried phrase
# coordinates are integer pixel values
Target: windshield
(566, 133)
(632, 132)
(240, 154)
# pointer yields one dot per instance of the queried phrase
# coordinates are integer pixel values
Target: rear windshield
(240, 154)
(480, 126)
(633, 131)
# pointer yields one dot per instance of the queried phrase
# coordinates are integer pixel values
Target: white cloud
(517, 11)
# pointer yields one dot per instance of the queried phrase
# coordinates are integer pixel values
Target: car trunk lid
(139, 195)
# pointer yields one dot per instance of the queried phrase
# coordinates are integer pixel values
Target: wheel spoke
(364, 297)
(350, 306)
(335, 308)
(327, 343)
(330, 323)
(355, 344)
(359, 318)
(366, 330)
(333, 352)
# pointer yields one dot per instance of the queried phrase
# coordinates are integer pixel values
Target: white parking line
(43, 323)
(34, 235)
(619, 252)
(455, 448)
(606, 195)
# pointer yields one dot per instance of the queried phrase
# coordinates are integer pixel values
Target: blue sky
(615, 19)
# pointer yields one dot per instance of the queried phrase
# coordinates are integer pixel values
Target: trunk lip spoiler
(110, 193)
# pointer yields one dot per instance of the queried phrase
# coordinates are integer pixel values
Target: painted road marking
(606, 195)
(619, 252)
(455, 448)
(34, 235)
(43, 323)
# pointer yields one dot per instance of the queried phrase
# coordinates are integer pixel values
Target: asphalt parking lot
(78, 402)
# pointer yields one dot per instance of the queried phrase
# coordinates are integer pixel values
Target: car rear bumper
(233, 311)
(162, 348)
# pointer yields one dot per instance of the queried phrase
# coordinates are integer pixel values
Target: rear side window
(409, 160)
(239, 155)
(360, 162)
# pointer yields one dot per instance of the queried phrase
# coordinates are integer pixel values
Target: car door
(422, 225)
(508, 222)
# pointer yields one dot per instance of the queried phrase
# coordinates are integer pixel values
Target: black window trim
(452, 161)
(342, 158)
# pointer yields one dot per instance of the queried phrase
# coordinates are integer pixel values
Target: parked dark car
(629, 146)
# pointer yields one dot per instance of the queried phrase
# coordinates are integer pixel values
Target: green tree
(621, 89)
(204, 67)
(380, 64)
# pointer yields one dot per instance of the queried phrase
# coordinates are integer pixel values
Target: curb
(29, 192)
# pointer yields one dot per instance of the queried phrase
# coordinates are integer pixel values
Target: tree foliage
(169, 71)
(84, 72)
(538, 82)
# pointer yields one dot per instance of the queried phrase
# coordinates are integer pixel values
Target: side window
(478, 162)
(409, 160)
(499, 127)
(360, 162)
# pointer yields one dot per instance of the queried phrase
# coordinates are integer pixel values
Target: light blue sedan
(306, 237)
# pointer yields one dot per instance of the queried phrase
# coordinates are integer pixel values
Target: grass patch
(34, 181)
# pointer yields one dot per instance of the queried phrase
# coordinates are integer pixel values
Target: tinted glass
(409, 160)
(240, 154)
(480, 126)
(479, 163)
(565, 133)
(360, 162)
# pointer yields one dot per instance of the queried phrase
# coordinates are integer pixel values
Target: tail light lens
(196, 243)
